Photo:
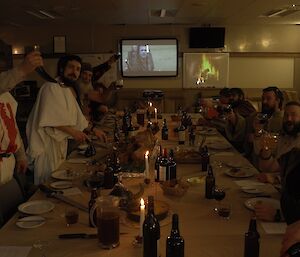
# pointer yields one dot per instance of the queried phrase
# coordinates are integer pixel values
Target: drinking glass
(219, 195)
(71, 216)
(224, 210)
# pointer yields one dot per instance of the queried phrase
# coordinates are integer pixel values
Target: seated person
(284, 160)
(242, 130)
(239, 104)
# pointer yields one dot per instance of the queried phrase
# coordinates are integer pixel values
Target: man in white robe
(55, 117)
(12, 154)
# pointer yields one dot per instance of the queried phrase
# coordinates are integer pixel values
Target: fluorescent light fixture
(37, 15)
(162, 13)
(277, 12)
(49, 15)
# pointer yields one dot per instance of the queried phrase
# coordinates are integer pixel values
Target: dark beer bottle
(172, 174)
(181, 134)
(204, 158)
(164, 167)
(175, 243)
(157, 162)
(92, 201)
(210, 184)
(252, 240)
(151, 232)
(164, 131)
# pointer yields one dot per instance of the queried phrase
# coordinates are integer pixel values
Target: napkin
(13, 251)
(72, 191)
(274, 227)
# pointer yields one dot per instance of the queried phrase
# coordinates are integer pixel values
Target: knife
(78, 235)
(61, 197)
(82, 235)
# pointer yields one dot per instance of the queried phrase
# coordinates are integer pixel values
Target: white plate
(252, 190)
(250, 203)
(61, 184)
(31, 222)
(64, 175)
(36, 207)
(242, 173)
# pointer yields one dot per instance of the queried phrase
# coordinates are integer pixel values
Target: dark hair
(63, 61)
(277, 92)
(225, 92)
(292, 103)
(237, 91)
(85, 66)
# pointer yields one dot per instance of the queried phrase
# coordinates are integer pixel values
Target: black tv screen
(149, 57)
(207, 37)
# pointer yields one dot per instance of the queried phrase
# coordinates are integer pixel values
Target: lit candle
(142, 216)
(155, 115)
(150, 104)
(147, 164)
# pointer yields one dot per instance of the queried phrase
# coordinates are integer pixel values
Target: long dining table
(205, 233)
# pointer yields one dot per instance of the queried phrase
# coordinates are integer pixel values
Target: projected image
(205, 70)
(149, 57)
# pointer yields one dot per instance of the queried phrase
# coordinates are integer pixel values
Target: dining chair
(10, 197)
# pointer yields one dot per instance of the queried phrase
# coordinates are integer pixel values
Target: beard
(267, 110)
(235, 104)
(69, 82)
(291, 128)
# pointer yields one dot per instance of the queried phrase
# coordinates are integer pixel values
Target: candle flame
(146, 154)
(142, 202)
(155, 109)
(150, 104)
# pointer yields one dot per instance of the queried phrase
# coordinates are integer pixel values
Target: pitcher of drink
(108, 216)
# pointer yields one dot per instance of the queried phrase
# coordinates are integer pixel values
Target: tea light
(142, 216)
(155, 115)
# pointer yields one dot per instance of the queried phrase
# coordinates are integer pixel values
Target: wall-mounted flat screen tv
(149, 57)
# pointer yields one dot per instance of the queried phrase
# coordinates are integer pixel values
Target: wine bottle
(151, 232)
(164, 167)
(157, 162)
(252, 240)
(210, 184)
(204, 158)
(181, 134)
(92, 201)
(109, 177)
(175, 243)
(164, 131)
(172, 174)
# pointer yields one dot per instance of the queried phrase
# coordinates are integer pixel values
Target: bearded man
(55, 117)
(286, 162)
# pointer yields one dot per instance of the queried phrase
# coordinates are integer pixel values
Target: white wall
(257, 40)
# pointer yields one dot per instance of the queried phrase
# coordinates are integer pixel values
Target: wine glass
(219, 195)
